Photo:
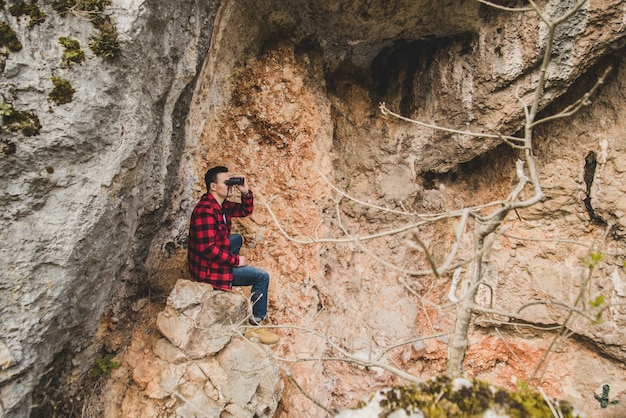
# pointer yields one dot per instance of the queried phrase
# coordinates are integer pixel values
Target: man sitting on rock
(213, 253)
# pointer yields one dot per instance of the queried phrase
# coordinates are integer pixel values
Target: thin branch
(524, 107)
(539, 13)
(507, 9)
(570, 13)
(350, 358)
(577, 105)
(519, 168)
(385, 111)
(429, 257)
(403, 343)
(549, 402)
(394, 231)
(543, 362)
(456, 277)
(342, 193)
(305, 393)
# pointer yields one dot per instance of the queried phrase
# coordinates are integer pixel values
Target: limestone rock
(74, 196)
(204, 366)
(199, 320)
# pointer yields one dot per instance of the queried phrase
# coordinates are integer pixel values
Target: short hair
(211, 175)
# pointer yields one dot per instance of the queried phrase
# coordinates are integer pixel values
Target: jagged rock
(203, 366)
(74, 196)
(199, 320)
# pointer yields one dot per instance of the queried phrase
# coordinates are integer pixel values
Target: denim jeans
(251, 276)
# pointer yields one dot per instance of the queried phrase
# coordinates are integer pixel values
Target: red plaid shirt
(208, 255)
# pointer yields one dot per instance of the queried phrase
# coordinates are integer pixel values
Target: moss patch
(63, 91)
(443, 397)
(29, 10)
(106, 43)
(72, 53)
(6, 147)
(21, 121)
(8, 38)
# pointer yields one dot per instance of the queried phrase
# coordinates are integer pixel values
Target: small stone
(139, 304)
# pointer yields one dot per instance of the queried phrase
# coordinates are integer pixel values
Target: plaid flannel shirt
(208, 255)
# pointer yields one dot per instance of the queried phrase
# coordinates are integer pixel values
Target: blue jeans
(251, 276)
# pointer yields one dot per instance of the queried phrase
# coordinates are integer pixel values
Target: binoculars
(234, 181)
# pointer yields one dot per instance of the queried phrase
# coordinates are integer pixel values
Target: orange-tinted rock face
(290, 122)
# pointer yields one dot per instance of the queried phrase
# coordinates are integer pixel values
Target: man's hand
(243, 188)
(243, 261)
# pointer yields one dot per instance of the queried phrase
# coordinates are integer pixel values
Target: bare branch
(429, 257)
(304, 392)
(519, 168)
(456, 277)
(394, 231)
(577, 105)
(508, 9)
(342, 193)
(564, 326)
(385, 111)
(347, 357)
(549, 402)
(570, 13)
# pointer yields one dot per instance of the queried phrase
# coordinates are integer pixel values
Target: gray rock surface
(80, 199)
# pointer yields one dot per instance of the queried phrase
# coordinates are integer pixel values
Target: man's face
(221, 189)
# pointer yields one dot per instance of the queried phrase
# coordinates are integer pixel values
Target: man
(213, 254)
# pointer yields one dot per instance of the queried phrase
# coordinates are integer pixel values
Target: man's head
(211, 175)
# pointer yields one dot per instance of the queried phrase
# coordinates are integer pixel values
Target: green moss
(7, 148)
(8, 38)
(14, 120)
(31, 10)
(106, 44)
(439, 398)
(63, 91)
(72, 53)
(104, 366)
(22, 121)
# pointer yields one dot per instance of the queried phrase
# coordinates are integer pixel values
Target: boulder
(204, 366)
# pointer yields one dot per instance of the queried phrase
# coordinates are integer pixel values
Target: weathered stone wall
(81, 200)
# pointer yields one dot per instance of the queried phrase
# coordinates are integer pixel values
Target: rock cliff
(97, 191)
(81, 197)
